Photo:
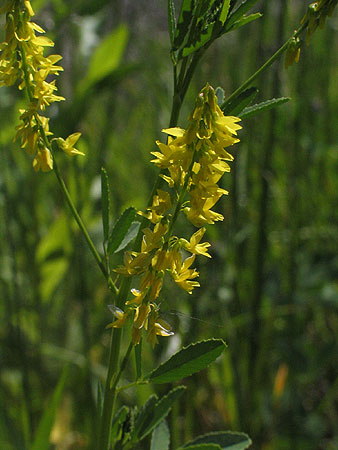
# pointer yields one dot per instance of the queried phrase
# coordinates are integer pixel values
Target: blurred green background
(270, 290)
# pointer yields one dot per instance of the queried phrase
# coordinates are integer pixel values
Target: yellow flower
(43, 160)
(67, 145)
(134, 263)
(157, 327)
(161, 204)
(181, 273)
(121, 317)
(194, 246)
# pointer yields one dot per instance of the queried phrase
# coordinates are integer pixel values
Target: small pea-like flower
(120, 316)
(316, 15)
(292, 52)
(194, 246)
(43, 160)
(182, 274)
(157, 327)
(67, 145)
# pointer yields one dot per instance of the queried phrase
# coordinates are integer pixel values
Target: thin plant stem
(265, 66)
(62, 184)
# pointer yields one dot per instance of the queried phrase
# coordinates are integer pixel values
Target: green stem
(110, 389)
(82, 227)
(267, 64)
(122, 366)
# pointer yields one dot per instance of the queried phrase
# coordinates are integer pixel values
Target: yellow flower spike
(22, 60)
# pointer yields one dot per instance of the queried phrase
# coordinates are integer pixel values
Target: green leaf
(203, 39)
(131, 234)
(240, 102)
(106, 57)
(184, 21)
(51, 275)
(171, 21)
(161, 437)
(105, 203)
(243, 8)
(187, 361)
(262, 107)
(224, 12)
(160, 411)
(41, 440)
(245, 20)
(227, 440)
(56, 240)
(220, 94)
(144, 415)
(202, 447)
(118, 421)
(120, 229)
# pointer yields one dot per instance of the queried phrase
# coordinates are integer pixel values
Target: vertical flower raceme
(192, 163)
(22, 61)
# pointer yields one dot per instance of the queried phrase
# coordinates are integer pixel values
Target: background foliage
(271, 287)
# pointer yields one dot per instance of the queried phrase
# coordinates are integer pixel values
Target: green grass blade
(41, 440)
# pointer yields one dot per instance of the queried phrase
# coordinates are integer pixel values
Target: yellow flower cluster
(195, 159)
(22, 60)
(316, 15)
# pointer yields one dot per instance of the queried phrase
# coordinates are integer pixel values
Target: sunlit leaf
(161, 437)
(187, 361)
(262, 107)
(242, 9)
(245, 20)
(107, 57)
(121, 229)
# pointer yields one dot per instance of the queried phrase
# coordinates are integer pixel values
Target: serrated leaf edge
(148, 377)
